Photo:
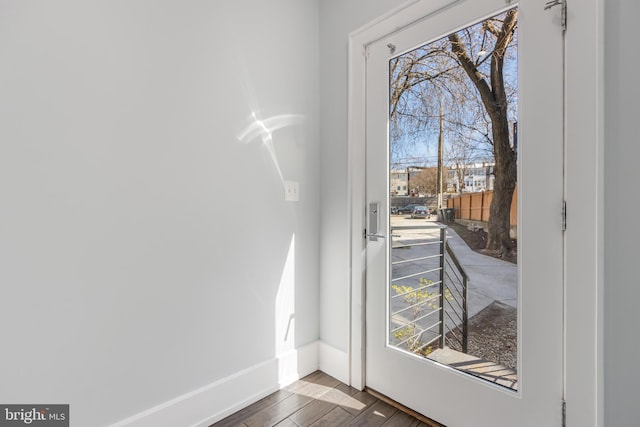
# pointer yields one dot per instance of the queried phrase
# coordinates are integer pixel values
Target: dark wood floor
(320, 400)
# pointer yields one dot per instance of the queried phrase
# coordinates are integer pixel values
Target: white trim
(359, 39)
(585, 207)
(215, 401)
(585, 183)
(355, 194)
(334, 362)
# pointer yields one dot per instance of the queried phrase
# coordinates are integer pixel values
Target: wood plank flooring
(321, 400)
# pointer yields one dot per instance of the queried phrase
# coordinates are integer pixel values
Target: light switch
(291, 189)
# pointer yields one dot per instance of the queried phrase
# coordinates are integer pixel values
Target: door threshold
(428, 421)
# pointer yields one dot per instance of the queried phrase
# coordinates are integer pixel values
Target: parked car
(407, 209)
(394, 210)
(420, 212)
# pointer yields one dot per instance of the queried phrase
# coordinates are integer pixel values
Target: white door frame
(584, 135)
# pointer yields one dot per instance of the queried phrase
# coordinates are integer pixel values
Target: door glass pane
(453, 200)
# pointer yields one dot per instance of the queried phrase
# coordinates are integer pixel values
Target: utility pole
(408, 181)
(440, 146)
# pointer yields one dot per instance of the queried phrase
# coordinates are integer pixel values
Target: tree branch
(459, 49)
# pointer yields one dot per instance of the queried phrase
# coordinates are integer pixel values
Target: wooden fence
(475, 206)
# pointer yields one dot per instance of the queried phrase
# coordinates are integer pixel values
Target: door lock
(373, 235)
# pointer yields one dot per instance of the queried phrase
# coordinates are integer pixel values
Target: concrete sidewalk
(490, 279)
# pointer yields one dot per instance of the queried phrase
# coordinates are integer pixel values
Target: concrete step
(476, 366)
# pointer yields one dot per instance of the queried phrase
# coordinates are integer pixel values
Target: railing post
(465, 317)
(443, 237)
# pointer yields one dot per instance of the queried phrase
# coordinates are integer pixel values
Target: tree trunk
(494, 98)
(505, 174)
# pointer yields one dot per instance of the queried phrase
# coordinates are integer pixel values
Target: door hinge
(563, 224)
(564, 413)
(563, 16)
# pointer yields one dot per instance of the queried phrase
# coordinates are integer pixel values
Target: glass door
(464, 184)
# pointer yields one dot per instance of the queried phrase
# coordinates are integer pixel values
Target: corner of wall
(334, 362)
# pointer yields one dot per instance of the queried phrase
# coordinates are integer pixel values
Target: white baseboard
(213, 402)
(334, 362)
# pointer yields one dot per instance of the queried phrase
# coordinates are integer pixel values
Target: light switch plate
(291, 191)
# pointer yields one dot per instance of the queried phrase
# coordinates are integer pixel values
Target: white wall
(338, 18)
(622, 230)
(130, 272)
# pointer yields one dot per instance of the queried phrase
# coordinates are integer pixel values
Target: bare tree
(465, 73)
(495, 99)
(459, 156)
(425, 181)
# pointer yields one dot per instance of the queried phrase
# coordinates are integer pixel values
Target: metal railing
(428, 295)
(456, 284)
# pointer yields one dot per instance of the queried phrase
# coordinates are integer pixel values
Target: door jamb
(584, 86)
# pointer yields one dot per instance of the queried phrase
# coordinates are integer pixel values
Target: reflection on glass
(453, 200)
